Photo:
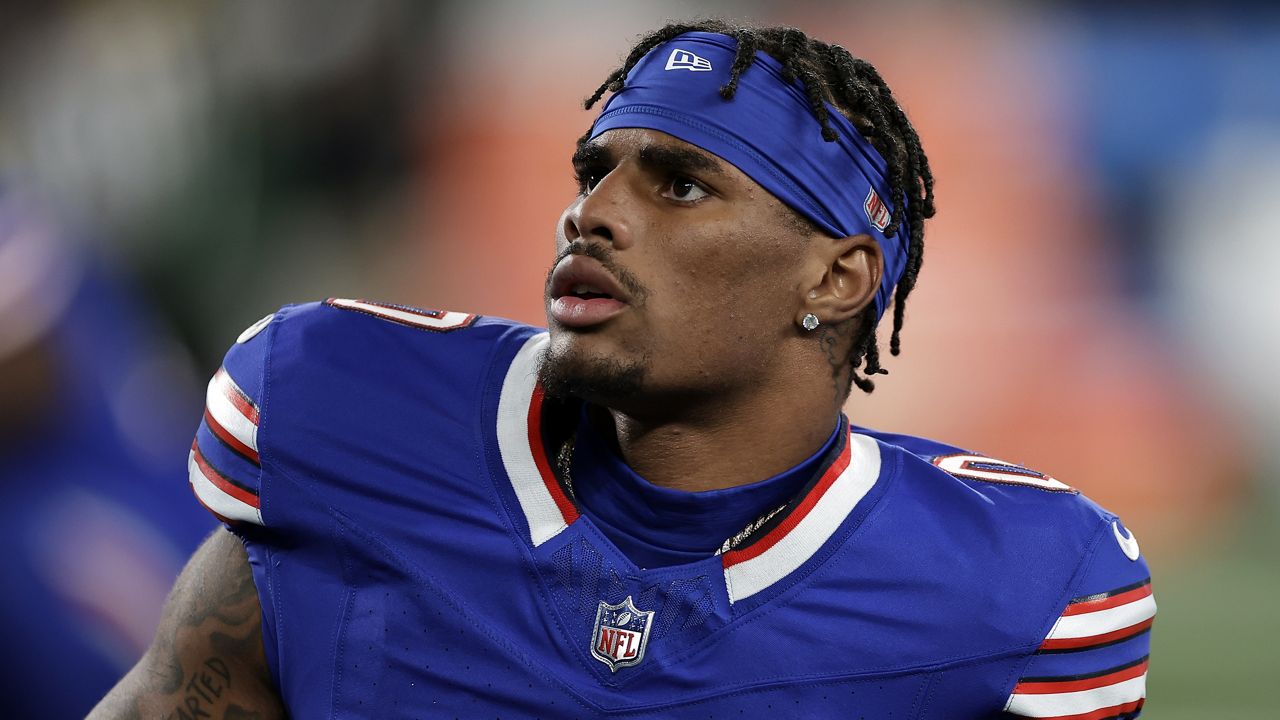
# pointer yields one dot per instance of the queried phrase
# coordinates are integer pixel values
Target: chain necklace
(564, 465)
(564, 461)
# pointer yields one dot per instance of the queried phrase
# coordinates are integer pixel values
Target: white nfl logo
(685, 60)
(621, 634)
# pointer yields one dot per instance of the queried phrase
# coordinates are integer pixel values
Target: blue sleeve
(1092, 663)
(223, 467)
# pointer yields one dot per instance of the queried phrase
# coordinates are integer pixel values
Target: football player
(654, 508)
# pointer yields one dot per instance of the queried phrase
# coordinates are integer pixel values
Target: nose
(602, 214)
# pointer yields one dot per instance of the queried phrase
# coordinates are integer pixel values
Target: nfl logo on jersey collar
(621, 634)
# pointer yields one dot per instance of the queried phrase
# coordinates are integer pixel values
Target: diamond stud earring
(809, 321)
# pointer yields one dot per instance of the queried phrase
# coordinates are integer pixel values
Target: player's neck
(700, 450)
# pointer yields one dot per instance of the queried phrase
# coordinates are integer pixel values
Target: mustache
(605, 257)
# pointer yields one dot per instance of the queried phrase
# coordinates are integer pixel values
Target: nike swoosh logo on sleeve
(1129, 545)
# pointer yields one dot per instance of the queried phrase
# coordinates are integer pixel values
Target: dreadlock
(830, 74)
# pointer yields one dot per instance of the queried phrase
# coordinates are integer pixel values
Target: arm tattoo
(207, 660)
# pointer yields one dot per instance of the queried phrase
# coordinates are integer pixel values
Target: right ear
(844, 281)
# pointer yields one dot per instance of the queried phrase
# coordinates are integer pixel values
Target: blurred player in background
(91, 411)
(657, 508)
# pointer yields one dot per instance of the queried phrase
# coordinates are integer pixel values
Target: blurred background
(1101, 296)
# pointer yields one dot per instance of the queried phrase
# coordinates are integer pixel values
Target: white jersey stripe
(216, 500)
(1104, 621)
(749, 577)
(217, 400)
(540, 511)
(1053, 705)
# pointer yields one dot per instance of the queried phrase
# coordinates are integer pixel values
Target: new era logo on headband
(877, 212)
(685, 60)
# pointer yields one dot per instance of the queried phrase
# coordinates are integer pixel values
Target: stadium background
(1099, 297)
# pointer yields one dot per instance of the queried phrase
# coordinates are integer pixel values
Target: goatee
(599, 380)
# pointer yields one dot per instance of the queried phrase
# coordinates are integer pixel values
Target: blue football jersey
(416, 555)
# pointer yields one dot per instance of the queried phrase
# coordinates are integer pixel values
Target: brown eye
(685, 190)
(588, 178)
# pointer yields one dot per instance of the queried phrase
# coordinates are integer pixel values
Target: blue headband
(767, 131)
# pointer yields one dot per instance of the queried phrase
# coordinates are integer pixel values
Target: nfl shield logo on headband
(877, 212)
(685, 60)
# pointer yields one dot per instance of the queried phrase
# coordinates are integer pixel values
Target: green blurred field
(1215, 648)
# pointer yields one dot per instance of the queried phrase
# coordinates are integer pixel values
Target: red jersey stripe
(1123, 598)
(1091, 640)
(221, 482)
(236, 396)
(231, 440)
(757, 548)
(1061, 686)
(562, 501)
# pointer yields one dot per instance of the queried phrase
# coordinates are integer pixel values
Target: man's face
(677, 274)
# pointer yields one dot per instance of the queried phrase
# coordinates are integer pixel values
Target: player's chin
(590, 366)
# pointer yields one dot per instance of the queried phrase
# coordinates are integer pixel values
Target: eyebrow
(676, 160)
(590, 154)
(653, 157)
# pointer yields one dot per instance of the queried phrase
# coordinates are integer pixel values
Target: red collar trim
(566, 507)
(793, 518)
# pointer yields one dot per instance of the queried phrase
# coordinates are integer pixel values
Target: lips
(584, 294)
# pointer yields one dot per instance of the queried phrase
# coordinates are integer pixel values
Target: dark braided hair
(830, 74)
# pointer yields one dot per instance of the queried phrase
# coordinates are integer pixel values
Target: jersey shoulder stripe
(229, 501)
(1086, 681)
(232, 416)
(1103, 619)
(224, 466)
(1114, 694)
(1111, 598)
